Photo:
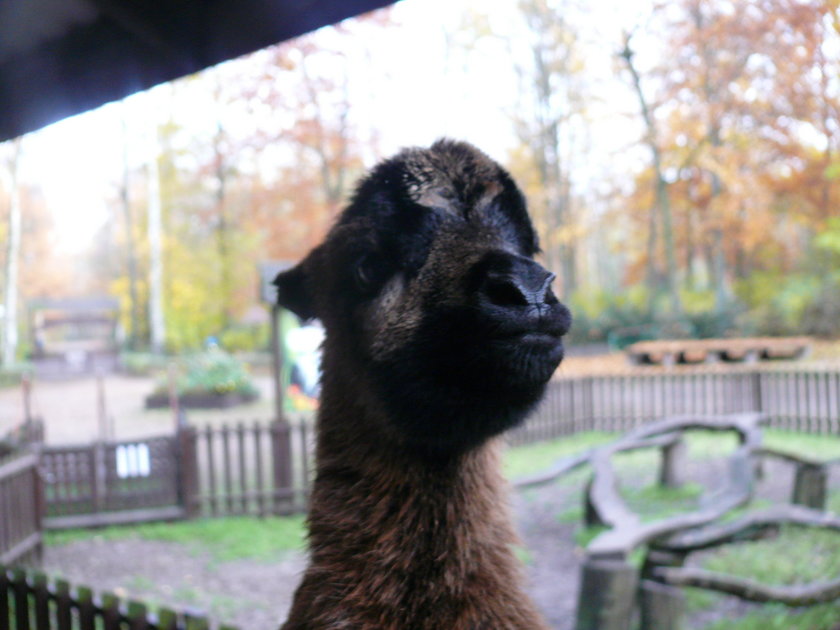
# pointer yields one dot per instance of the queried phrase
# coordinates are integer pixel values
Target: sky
(412, 93)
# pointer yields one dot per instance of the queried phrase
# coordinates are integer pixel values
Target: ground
(255, 593)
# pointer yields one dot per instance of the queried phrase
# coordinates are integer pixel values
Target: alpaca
(441, 333)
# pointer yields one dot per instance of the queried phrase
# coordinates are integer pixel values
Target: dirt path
(70, 409)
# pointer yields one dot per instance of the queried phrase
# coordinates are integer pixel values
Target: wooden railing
(255, 468)
(29, 601)
(21, 508)
(800, 400)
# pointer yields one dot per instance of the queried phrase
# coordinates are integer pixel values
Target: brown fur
(409, 525)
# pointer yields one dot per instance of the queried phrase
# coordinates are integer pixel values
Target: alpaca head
(431, 299)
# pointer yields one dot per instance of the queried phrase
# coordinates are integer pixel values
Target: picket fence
(30, 601)
(798, 400)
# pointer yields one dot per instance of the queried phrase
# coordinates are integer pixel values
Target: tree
(13, 235)
(551, 107)
(662, 208)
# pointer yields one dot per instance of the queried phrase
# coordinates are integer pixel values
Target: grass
(777, 617)
(533, 458)
(797, 556)
(231, 538)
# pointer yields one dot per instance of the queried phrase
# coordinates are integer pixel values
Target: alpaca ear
(293, 292)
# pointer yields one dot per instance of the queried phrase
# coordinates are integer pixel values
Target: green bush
(11, 376)
(245, 338)
(142, 363)
(597, 313)
(776, 303)
(214, 371)
(822, 316)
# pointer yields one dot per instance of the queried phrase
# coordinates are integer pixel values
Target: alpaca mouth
(538, 338)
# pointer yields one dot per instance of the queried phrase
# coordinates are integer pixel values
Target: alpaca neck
(443, 516)
(398, 540)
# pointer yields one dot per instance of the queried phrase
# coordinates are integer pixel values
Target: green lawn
(230, 538)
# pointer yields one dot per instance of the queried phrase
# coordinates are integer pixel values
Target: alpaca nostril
(505, 292)
(524, 290)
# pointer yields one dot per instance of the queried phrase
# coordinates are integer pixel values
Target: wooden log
(656, 558)
(591, 516)
(748, 526)
(751, 590)
(661, 607)
(607, 595)
(809, 486)
(571, 463)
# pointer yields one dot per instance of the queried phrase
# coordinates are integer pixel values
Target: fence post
(4, 598)
(661, 606)
(669, 476)
(809, 486)
(281, 464)
(757, 401)
(188, 483)
(607, 595)
(21, 598)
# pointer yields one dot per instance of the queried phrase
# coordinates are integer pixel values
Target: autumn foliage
(719, 215)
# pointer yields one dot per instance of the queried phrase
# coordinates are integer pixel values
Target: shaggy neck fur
(396, 535)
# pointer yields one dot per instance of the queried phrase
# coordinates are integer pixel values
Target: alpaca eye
(366, 273)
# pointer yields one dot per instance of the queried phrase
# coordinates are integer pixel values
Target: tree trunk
(157, 330)
(10, 302)
(223, 229)
(663, 198)
(130, 250)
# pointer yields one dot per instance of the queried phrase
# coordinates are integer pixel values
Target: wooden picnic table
(744, 349)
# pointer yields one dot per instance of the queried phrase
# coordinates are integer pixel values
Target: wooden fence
(254, 468)
(21, 509)
(801, 400)
(111, 482)
(32, 602)
(259, 468)
(251, 468)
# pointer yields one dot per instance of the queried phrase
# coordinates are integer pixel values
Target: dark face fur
(431, 299)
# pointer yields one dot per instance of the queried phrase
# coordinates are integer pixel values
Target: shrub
(822, 316)
(142, 363)
(245, 338)
(12, 375)
(213, 372)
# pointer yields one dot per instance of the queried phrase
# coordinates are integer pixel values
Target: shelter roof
(62, 57)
